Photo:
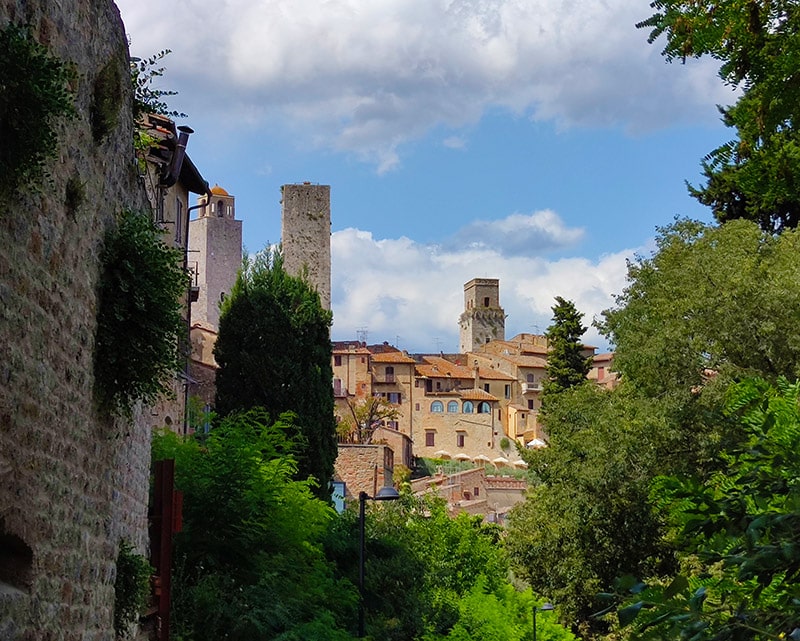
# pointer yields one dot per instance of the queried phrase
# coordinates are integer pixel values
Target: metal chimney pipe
(177, 156)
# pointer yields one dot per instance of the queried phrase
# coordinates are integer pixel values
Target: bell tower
(215, 254)
(483, 319)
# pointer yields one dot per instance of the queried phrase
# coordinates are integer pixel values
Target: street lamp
(384, 494)
(545, 607)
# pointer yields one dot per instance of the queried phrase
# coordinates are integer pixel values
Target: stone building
(73, 478)
(306, 235)
(483, 319)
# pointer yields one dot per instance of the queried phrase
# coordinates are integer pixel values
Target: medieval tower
(483, 319)
(215, 255)
(306, 235)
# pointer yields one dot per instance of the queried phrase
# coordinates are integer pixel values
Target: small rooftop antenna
(361, 334)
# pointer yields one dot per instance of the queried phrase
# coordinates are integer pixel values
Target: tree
(249, 562)
(757, 175)
(274, 351)
(712, 304)
(587, 519)
(365, 417)
(566, 364)
(739, 533)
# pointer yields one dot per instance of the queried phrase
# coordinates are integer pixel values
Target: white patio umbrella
(482, 458)
(462, 457)
(500, 460)
(441, 454)
(535, 444)
(520, 463)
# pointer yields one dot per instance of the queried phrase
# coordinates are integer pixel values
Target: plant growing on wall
(141, 329)
(34, 94)
(131, 588)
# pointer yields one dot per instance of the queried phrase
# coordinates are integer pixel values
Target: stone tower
(306, 235)
(215, 255)
(483, 319)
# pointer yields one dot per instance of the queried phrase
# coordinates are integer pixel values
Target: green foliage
(106, 99)
(34, 95)
(717, 301)
(433, 577)
(755, 176)
(131, 588)
(140, 327)
(741, 528)
(274, 351)
(587, 520)
(146, 98)
(249, 562)
(566, 364)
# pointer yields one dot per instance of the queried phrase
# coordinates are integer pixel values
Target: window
(337, 360)
(220, 209)
(394, 397)
(601, 372)
(337, 386)
(486, 301)
(484, 408)
(452, 407)
(486, 387)
(530, 403)
(416, 406)
(476, 491)
(437, 407)
(461, 437)
(507, 391)
(393, 425)
(438, 386)
(430, 438)
(468, 407)
(389, 374)
(530, 378)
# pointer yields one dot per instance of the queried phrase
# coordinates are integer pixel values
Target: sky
(539, 142)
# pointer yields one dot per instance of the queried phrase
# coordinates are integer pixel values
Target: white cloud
(364, 77)
(400, 288)
(519, 234)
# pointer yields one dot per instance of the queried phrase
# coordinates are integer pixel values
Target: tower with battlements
(483, 319)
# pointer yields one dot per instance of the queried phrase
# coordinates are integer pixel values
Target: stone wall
(73, 481)
(364, 468)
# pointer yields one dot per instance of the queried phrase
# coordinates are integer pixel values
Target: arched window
(437, 407)
(220, 209)
(530, 378)
(484, 408)
(468, 407)
(452, 407)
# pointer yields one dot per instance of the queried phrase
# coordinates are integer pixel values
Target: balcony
(531, 387)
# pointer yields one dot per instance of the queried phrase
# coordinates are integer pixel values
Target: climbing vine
(141, 330)
(34, 93)
(131, 588)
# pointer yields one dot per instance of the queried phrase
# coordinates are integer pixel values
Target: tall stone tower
(483, 319)
(215, 254)
(306, 235)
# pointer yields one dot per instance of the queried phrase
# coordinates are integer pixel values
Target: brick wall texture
(73, 481)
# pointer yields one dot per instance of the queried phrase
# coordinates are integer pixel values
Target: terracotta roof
(476, 395)
(392, 357)
(525, 360)
(494, 374)
(348, 347)
(437, 367)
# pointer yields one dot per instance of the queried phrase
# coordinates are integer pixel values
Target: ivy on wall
(141, 331)
(131, 588)
(34, 94)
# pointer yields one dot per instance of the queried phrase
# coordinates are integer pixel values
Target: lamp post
(384, 494)
(545, 607)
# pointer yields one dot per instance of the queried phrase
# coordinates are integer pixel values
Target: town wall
(73, 481)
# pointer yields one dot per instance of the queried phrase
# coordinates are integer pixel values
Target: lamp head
(546, 607)
(387, 494)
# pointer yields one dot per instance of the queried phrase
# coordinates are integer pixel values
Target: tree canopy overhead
(757, 175)
(274, 351)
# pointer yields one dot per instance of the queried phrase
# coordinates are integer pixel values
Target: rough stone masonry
(73, 481)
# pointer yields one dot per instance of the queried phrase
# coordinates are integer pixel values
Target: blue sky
(533, 141)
